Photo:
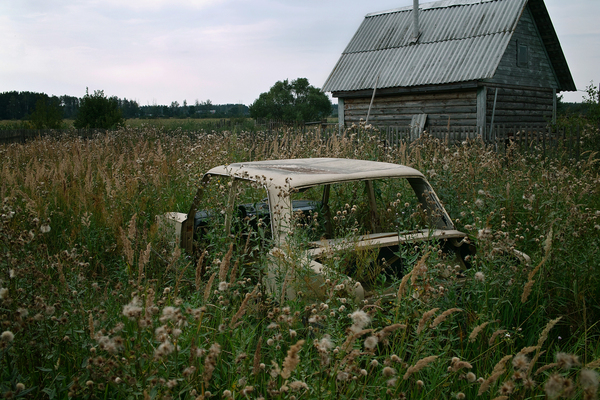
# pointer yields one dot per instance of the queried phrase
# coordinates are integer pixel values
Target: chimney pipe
(415, 20)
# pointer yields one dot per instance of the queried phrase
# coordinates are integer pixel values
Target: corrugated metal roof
(461, 40)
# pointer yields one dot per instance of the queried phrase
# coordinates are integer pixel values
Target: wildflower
(242, 310)
(371, 343)
(588, 379)
(420, 383)
(389, 371)
(476, 331)
(457, 364)
(360, 320)
(133, 310)
(227, 394)
(343, 376)
(297, 385)
(426, 316)
(189, 371)
(422, 363)
(20, 387)
(471, 377)
(171, 383)
(521, 362)
(460, 396)
(542, 339)
(3, 293)
(496, 373)
(495, 335)
(566, 361)
(291, 360)
(528, 383)
(169, 314)
(7, 336)
(363, 372)
(554, 386)
(210, 361)
(208, 287)
(45, 228)
(442, 317)
(161, 333)
(256, 359)
(479, 276)
(507, 388)
(164, 349)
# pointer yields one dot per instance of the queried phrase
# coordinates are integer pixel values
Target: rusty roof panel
(461, 40)
(431, 63)
(305, 172)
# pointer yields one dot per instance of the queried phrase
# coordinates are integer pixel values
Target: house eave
(457, 86)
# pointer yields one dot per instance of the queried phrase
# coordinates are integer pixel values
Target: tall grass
(94, 303)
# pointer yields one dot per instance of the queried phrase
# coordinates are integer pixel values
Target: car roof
(305, 172)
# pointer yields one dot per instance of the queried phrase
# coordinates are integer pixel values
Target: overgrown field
(95, 304)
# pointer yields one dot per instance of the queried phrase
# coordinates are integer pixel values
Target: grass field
(94, 303)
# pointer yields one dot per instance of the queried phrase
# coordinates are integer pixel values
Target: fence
(538, 139)
(25, 135)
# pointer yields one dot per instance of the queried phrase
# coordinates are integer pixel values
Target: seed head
(479, 276)
(7, 336)
(371, 343)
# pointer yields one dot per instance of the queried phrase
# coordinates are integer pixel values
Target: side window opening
(522, 55)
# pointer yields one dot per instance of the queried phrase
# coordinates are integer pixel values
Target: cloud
(225, 50)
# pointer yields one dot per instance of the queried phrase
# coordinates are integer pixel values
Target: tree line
(22, 105)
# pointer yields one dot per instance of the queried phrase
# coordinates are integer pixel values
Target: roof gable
(461, 41)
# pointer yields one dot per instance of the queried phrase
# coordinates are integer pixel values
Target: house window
(522, 55)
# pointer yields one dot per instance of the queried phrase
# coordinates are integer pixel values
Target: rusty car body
(341, 205)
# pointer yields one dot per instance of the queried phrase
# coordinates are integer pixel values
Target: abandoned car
(322, 214)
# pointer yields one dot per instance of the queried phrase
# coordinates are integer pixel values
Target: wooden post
(494, 109)
(544, 142)
(341, 116)
(578, 141)
(372, 98)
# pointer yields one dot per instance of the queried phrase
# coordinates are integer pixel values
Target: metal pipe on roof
(415, 20)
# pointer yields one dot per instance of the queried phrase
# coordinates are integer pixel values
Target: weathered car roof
(304, 172)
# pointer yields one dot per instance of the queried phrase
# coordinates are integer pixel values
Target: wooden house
(453, 63)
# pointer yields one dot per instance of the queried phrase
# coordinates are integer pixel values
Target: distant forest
(19, 106)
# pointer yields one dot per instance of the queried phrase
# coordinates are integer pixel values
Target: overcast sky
(228, 51)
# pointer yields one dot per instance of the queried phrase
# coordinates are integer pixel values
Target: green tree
(48, 113)
(295, 101)
(98, 111)
(592, 100)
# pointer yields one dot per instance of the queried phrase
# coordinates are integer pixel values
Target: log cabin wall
(457, 108)
(534, 69)
(520, 106)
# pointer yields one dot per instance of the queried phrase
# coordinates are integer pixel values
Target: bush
(296, 101)
(99, 112)
(48, 114)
